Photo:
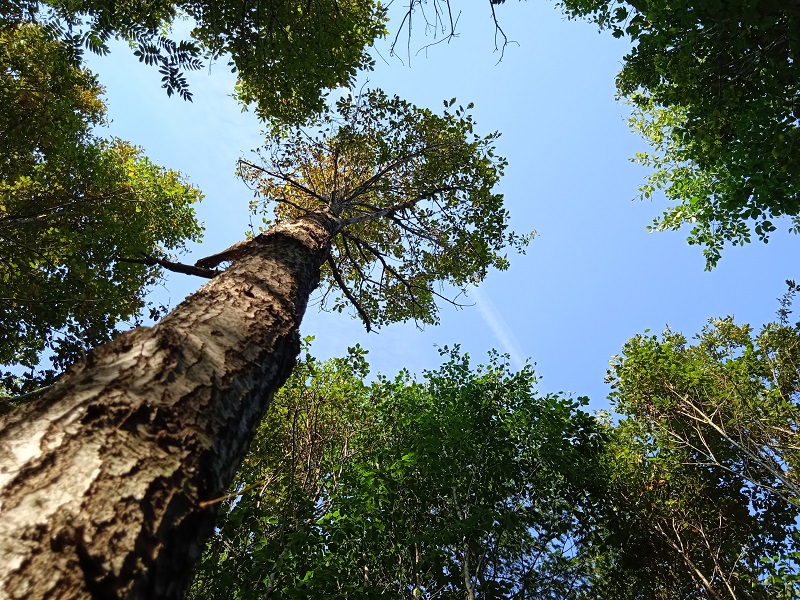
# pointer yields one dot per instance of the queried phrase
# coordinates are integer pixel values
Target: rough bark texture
(103, 480)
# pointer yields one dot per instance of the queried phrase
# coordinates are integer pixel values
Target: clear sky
(592, 278)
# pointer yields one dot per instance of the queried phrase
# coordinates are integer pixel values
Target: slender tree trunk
(466, 573)
(107, 482)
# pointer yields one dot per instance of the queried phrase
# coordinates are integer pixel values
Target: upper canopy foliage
(71, 206)
(413, 195)
(716, 89)
(287, 54)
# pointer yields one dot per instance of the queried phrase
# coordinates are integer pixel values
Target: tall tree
(72, 206)
(105, 479)
(465, 484)
(706, 462)
(715, 88)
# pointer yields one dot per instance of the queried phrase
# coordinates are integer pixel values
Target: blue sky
(592, 278)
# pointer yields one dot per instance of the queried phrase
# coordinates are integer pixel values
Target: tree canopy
(714, 87)
(287, 55)
(72, 207)
(413, 196)
(462, 483)
(705, 463)
(465, 483)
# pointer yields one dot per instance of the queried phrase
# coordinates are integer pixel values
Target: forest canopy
(120, 449)
(467, 483)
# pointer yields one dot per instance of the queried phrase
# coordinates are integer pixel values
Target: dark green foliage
(287, 54)
(715, 87)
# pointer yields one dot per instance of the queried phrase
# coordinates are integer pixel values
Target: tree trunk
(108, 482)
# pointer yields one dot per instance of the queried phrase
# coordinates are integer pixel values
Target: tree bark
(107, 482)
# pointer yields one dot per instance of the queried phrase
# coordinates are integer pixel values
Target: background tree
(465, 484)
(714, 87)
(158, 420)
(292, 471)
(706, 461)
(72, 205)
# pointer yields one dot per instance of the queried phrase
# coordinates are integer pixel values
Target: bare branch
(498, 31)
(410, 286)
(422, 233)
(365, 186)
(282, 177)
(20, 300)
(346, 291)
(361, 244)
(391, 210)
(176, 267)
(62, 210)
(285, 200)
(10, 402)
(447, 37)
(447, 24)
(229, 254)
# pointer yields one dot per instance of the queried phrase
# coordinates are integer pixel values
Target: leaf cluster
(715, 89)
(92, 25)
(288, 54)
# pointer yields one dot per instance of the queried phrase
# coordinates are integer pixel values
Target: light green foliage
(71, 205)
(705, 463)
(715, 88)
(413, 192)
(293, 467)
(413, 489)
(287, 54)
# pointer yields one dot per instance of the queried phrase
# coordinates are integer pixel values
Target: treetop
(414, 195)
